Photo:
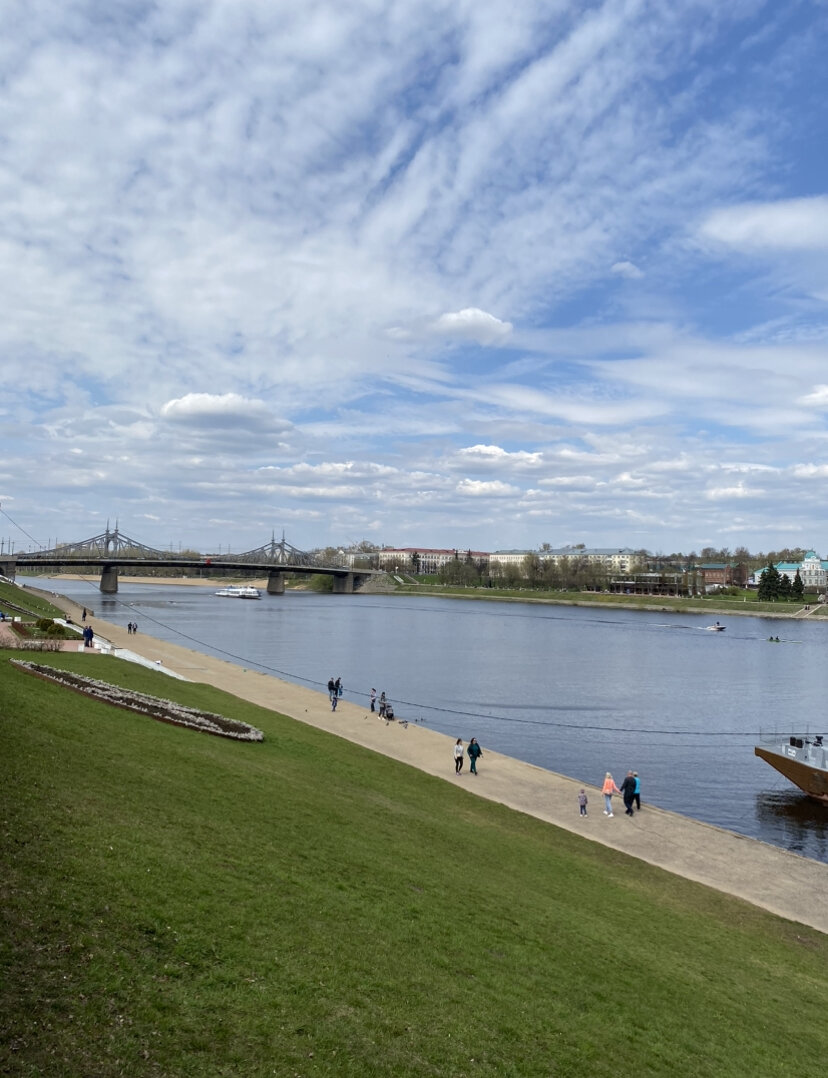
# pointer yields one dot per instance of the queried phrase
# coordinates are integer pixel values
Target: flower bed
(143, 704)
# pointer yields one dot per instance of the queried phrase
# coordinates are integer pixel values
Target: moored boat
(803, 759)
(234, 591)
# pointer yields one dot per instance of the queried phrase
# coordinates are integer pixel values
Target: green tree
(797, 588)
(785, 586)
(769, 584)
(532, 569)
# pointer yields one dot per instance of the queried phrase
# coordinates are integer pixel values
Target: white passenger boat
(234, 591)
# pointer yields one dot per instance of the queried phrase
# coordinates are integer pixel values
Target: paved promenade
(788, 885)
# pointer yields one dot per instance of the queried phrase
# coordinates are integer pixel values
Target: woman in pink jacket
(608, 789)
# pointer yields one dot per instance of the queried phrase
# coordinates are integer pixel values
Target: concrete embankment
(793, 887)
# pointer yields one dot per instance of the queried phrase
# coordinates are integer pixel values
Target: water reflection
(802, 820)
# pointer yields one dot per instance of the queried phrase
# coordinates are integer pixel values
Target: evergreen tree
(769, 584)
(784, 586)
(797, 588)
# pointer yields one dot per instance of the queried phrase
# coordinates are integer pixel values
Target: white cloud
(810, 471)
(626, 269)
(817, 398)
(222, 410)
(473, 324)
(495, 456)
(477, 488)
(727, 493)
(787, 225)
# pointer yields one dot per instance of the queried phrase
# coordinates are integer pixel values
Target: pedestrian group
(630, 790)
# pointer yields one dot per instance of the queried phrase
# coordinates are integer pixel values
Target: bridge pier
(109, 579)
(8, 568)
(343, 585)
(276, 583)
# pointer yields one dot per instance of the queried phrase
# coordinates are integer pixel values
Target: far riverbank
(716, 609)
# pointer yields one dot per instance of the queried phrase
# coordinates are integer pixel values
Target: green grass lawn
(12, 598)
(745, 602)
(180, 905)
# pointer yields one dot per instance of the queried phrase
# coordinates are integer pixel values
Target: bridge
(112, 551)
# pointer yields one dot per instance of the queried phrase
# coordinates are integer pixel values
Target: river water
(573, 689)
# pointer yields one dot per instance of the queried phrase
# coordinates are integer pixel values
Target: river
(574, 689)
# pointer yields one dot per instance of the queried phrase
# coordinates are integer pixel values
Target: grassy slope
(177, 904)
(12, 598)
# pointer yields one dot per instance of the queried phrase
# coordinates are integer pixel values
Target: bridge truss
(112, 543)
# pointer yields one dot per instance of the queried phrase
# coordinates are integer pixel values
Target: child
(583, 801)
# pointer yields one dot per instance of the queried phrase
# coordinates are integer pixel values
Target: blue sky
(440, 273)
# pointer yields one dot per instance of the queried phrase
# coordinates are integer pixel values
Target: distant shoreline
(708, 606)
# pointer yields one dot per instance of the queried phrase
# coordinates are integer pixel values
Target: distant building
(661, 583)
(617, 560)
(723, 574)
(510, 557)
(426, 560)
(813, 571)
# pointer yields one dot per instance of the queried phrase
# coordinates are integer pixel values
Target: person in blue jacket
(474, 753)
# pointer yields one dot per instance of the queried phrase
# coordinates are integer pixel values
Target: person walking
(338, 684)
(628, 792)
(331, 687)
(637, 791)
(583, 801)
(458, 756)
(334, 701)
(475, 752)
(608, 789)
(373, 699)
(83, 615)
(383, 704)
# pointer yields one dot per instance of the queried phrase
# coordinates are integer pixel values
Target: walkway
(786, 884)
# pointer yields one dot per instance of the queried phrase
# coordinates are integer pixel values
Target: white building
(813, 571)
(617, 560)
(425, 560)
(509, 557)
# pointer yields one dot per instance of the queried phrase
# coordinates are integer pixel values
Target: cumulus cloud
(495, 456)
(789, 224)
(810, 471)
(473, 324)
(626, 269)
(478, 488)
(220, 410)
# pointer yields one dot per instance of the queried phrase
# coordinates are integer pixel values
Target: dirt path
(791, 886)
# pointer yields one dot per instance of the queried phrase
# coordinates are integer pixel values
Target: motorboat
(717, 628)
(801, 758)
(234, 591)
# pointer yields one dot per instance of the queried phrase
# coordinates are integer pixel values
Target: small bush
(45, 624)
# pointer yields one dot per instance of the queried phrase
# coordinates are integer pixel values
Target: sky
(444, 273)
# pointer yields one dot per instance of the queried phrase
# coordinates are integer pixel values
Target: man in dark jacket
(475, 752)
(628, 792)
